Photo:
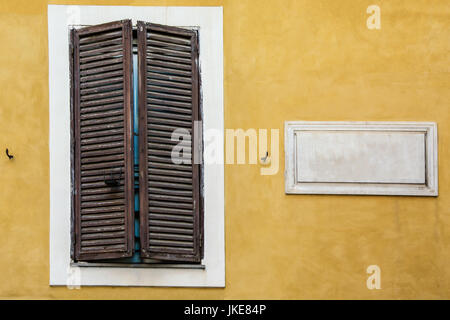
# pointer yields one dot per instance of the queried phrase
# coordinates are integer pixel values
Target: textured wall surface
(284, 60)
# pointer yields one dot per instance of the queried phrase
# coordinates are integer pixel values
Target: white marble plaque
(391, 158)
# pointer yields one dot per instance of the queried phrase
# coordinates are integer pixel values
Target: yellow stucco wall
(284, 60)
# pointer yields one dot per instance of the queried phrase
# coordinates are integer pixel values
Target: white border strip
(428, 128)
(209, 21)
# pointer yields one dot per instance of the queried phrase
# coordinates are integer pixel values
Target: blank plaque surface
(384, 158)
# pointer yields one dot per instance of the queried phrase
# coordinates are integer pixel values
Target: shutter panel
(170, 218)
(103, 194)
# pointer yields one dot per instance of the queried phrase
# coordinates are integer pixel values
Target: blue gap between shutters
(136, 257)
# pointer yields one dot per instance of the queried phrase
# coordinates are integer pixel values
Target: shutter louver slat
(101, 73)
(170, 221)
(168, 100)
(176, 80)
(170, 103)
(108, 107)
(103, 142)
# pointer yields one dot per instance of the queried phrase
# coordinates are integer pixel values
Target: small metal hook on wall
(266, 158)
(10, 156)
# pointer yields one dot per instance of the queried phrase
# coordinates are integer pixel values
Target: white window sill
(137, 265)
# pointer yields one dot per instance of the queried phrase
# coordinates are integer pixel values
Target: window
(210, 272)
(107, 226)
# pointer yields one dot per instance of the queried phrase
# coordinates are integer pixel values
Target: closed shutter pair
(103, 149)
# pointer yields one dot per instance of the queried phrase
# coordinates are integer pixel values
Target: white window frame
(209, 22)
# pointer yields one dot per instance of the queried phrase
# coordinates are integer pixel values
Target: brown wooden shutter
(103, 194)
(170, 221)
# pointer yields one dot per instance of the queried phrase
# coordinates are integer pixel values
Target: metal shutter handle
(112, 182)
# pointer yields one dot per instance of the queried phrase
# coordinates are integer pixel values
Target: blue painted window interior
(136, 257)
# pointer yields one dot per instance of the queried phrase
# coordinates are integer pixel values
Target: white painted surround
(379, 158)
(209, 22)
